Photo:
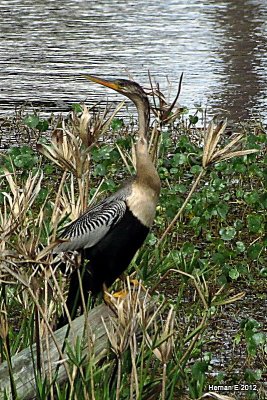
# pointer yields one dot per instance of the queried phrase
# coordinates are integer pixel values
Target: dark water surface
(221, 46)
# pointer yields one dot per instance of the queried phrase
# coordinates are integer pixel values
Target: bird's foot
(131, 286)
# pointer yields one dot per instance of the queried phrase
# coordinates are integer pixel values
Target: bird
(109, 234)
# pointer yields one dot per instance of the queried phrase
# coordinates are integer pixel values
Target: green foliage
(217, 246)
(23, 158)
(77, 108)
(252, 376)
(33, 121)
(198, 381)
(227, 233)
(254, 223)
(105, 159)
(193, 119)
(253, 337)
(117, 124)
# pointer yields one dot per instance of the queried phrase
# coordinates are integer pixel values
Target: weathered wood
(24, 363)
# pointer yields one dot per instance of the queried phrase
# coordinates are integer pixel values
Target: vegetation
(204, 264)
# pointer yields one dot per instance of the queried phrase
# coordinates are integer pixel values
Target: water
(221, 46)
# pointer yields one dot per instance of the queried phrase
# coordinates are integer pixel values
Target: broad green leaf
(77, 108)
(254, 223)
(240, 247)
(179, 159)
(31, 121)
(233, 273)
(222, 210)
(193, 119)
(227, 233)
(116, 124)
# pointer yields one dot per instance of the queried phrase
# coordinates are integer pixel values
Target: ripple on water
(220, 46)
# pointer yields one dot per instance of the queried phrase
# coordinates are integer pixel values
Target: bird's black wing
(92, 226)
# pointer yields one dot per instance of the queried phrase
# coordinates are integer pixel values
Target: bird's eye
(122, 84)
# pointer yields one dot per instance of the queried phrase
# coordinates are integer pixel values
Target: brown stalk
(163, 111)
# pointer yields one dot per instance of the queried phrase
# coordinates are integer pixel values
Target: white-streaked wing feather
(92, 226)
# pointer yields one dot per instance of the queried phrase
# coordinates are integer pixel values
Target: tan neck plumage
(146, 187)
(145, 170)
(146, 173)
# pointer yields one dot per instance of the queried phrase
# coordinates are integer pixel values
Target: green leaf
(239, 167)
(194, 221)
(222, 210)
(193, 119)
(196, 169)
(254, 251)
(254, 223)
(233, 273)
(42, 195)
(263, 200)
(49, 169)
(263, 272)
(199, 369)
(179, 159)
(31, 121)
(227, 233)
(14, 151)
(239, 193)
(42, 125)
(249, 325)
(252, 375)
(240, 247)
(259, 338)
(116, 124)
(188, 248)
(237, 338)
(252, 197)
(166, 139)
(77, 108)
(152, 239)
(180, 188)
(100, 170)
(184, 110)
(238, 224)
(174, 171)
(25, 161)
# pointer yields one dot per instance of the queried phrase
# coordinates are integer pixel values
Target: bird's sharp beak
(104, 82)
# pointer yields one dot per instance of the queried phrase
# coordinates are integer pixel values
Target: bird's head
(126, 87)
(134, 92)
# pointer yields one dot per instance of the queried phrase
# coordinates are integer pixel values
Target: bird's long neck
(146, 173)
(143, 109)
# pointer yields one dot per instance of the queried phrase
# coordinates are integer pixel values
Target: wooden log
(24, 363)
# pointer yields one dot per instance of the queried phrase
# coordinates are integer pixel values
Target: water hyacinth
(211, 156)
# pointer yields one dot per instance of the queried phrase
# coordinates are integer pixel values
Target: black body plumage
(112, 255)
(105, 261)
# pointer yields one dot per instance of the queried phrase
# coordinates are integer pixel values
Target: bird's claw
(111, 300)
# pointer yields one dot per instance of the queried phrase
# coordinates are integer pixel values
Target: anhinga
(109, 234)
